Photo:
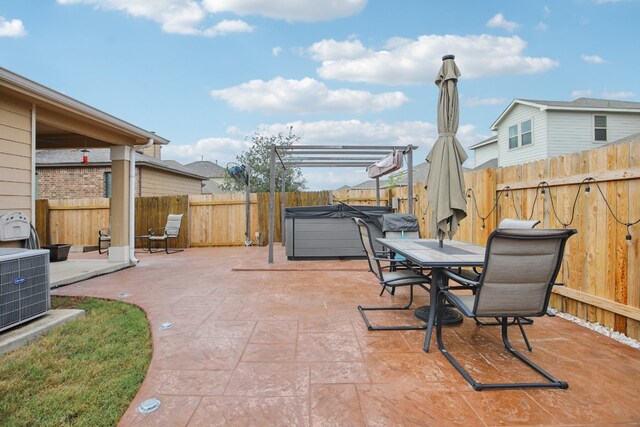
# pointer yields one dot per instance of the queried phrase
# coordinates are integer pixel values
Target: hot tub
(327, 232)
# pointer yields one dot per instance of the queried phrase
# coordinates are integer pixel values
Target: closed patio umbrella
(445, 182)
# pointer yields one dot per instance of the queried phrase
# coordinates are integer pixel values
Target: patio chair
(511, 224)
(169, 231)
(390, 277)
(520, 269)
(104, 240)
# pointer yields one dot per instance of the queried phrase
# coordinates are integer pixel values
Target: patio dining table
(426, 253)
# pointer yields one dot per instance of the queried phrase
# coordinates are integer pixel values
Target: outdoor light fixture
(85, 156)
(542, 185)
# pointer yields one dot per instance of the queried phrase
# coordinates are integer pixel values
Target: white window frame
(530, 132)
(519, 134)
(606, 129)
(516, 136)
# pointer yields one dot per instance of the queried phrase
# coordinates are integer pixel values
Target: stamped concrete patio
(284, 345)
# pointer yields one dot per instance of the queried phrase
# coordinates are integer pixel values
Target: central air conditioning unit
(24, 285)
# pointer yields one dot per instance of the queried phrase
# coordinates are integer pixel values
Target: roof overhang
(546, 107)
(69, 121)
(488, 141)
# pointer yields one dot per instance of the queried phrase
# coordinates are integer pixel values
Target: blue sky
(207, 74)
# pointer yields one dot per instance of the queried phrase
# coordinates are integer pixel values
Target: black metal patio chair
(390, 276)
(520, 269)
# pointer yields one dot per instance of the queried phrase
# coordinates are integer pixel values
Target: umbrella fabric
(445, 183)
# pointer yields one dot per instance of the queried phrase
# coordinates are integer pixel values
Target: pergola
(321, 156)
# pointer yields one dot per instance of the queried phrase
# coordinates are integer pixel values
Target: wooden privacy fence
(152, 212)
(209, 220)
(220, 219)
(311, 198)
(74, 221)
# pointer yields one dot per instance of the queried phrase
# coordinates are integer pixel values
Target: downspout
(132, 199)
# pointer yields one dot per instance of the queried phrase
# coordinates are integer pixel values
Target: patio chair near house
(162, 234)
(390, 277)
(520, 269)
(104, 240)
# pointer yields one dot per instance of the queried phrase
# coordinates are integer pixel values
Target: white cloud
(592, 59)
(225, 27)
(499, 21)
(546, 11)
(304, 96)
(581, 93)
(12, 28)
(276, 51)
(477, 102)
(299, 10)
(329, 50)
(409, 61)
(174, 16)
(618, 95)
(541, 26)
(223, 150)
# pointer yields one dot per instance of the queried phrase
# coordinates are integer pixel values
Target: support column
(119, 212)
(410, 178)
(272, 201)
(283, 193)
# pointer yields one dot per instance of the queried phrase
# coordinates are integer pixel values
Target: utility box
(14, 226)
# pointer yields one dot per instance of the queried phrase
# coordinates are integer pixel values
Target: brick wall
(74, 182)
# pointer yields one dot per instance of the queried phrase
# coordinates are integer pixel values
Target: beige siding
(154, 182)
(15, 156)
(538, 148)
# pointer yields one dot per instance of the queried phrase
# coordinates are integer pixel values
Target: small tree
(257, 160)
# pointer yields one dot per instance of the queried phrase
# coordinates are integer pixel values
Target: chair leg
(166, 248)
(552, 381)
(371, 327)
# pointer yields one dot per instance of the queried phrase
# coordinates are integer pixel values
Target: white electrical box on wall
(14, 226)
(395, 202)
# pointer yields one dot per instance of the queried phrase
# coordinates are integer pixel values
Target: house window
(513, 136)
(107, 184)
(525, 132)
(600, 128)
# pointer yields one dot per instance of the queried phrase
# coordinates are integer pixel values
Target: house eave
(38, 93)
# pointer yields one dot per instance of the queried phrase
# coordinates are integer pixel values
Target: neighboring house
(531, 130)
(63, 175)
(35, 117)
(485, 151)
(213, 171)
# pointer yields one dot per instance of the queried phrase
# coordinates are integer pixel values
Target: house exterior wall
(486, 153)
(522, 154)
(572, 131)
(154, 182)
(15, 157)
(74, 182)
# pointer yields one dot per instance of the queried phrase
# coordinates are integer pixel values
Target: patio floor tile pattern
(255, 344)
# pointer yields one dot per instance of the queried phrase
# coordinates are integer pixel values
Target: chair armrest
(103, 232)
(460, 279)
(152, 231)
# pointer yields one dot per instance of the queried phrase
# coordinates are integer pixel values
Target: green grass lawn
(84, 373)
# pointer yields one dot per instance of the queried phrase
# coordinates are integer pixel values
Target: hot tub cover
(336, 211)
(399, 222)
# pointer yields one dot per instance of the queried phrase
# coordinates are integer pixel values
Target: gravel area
(600, 329)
